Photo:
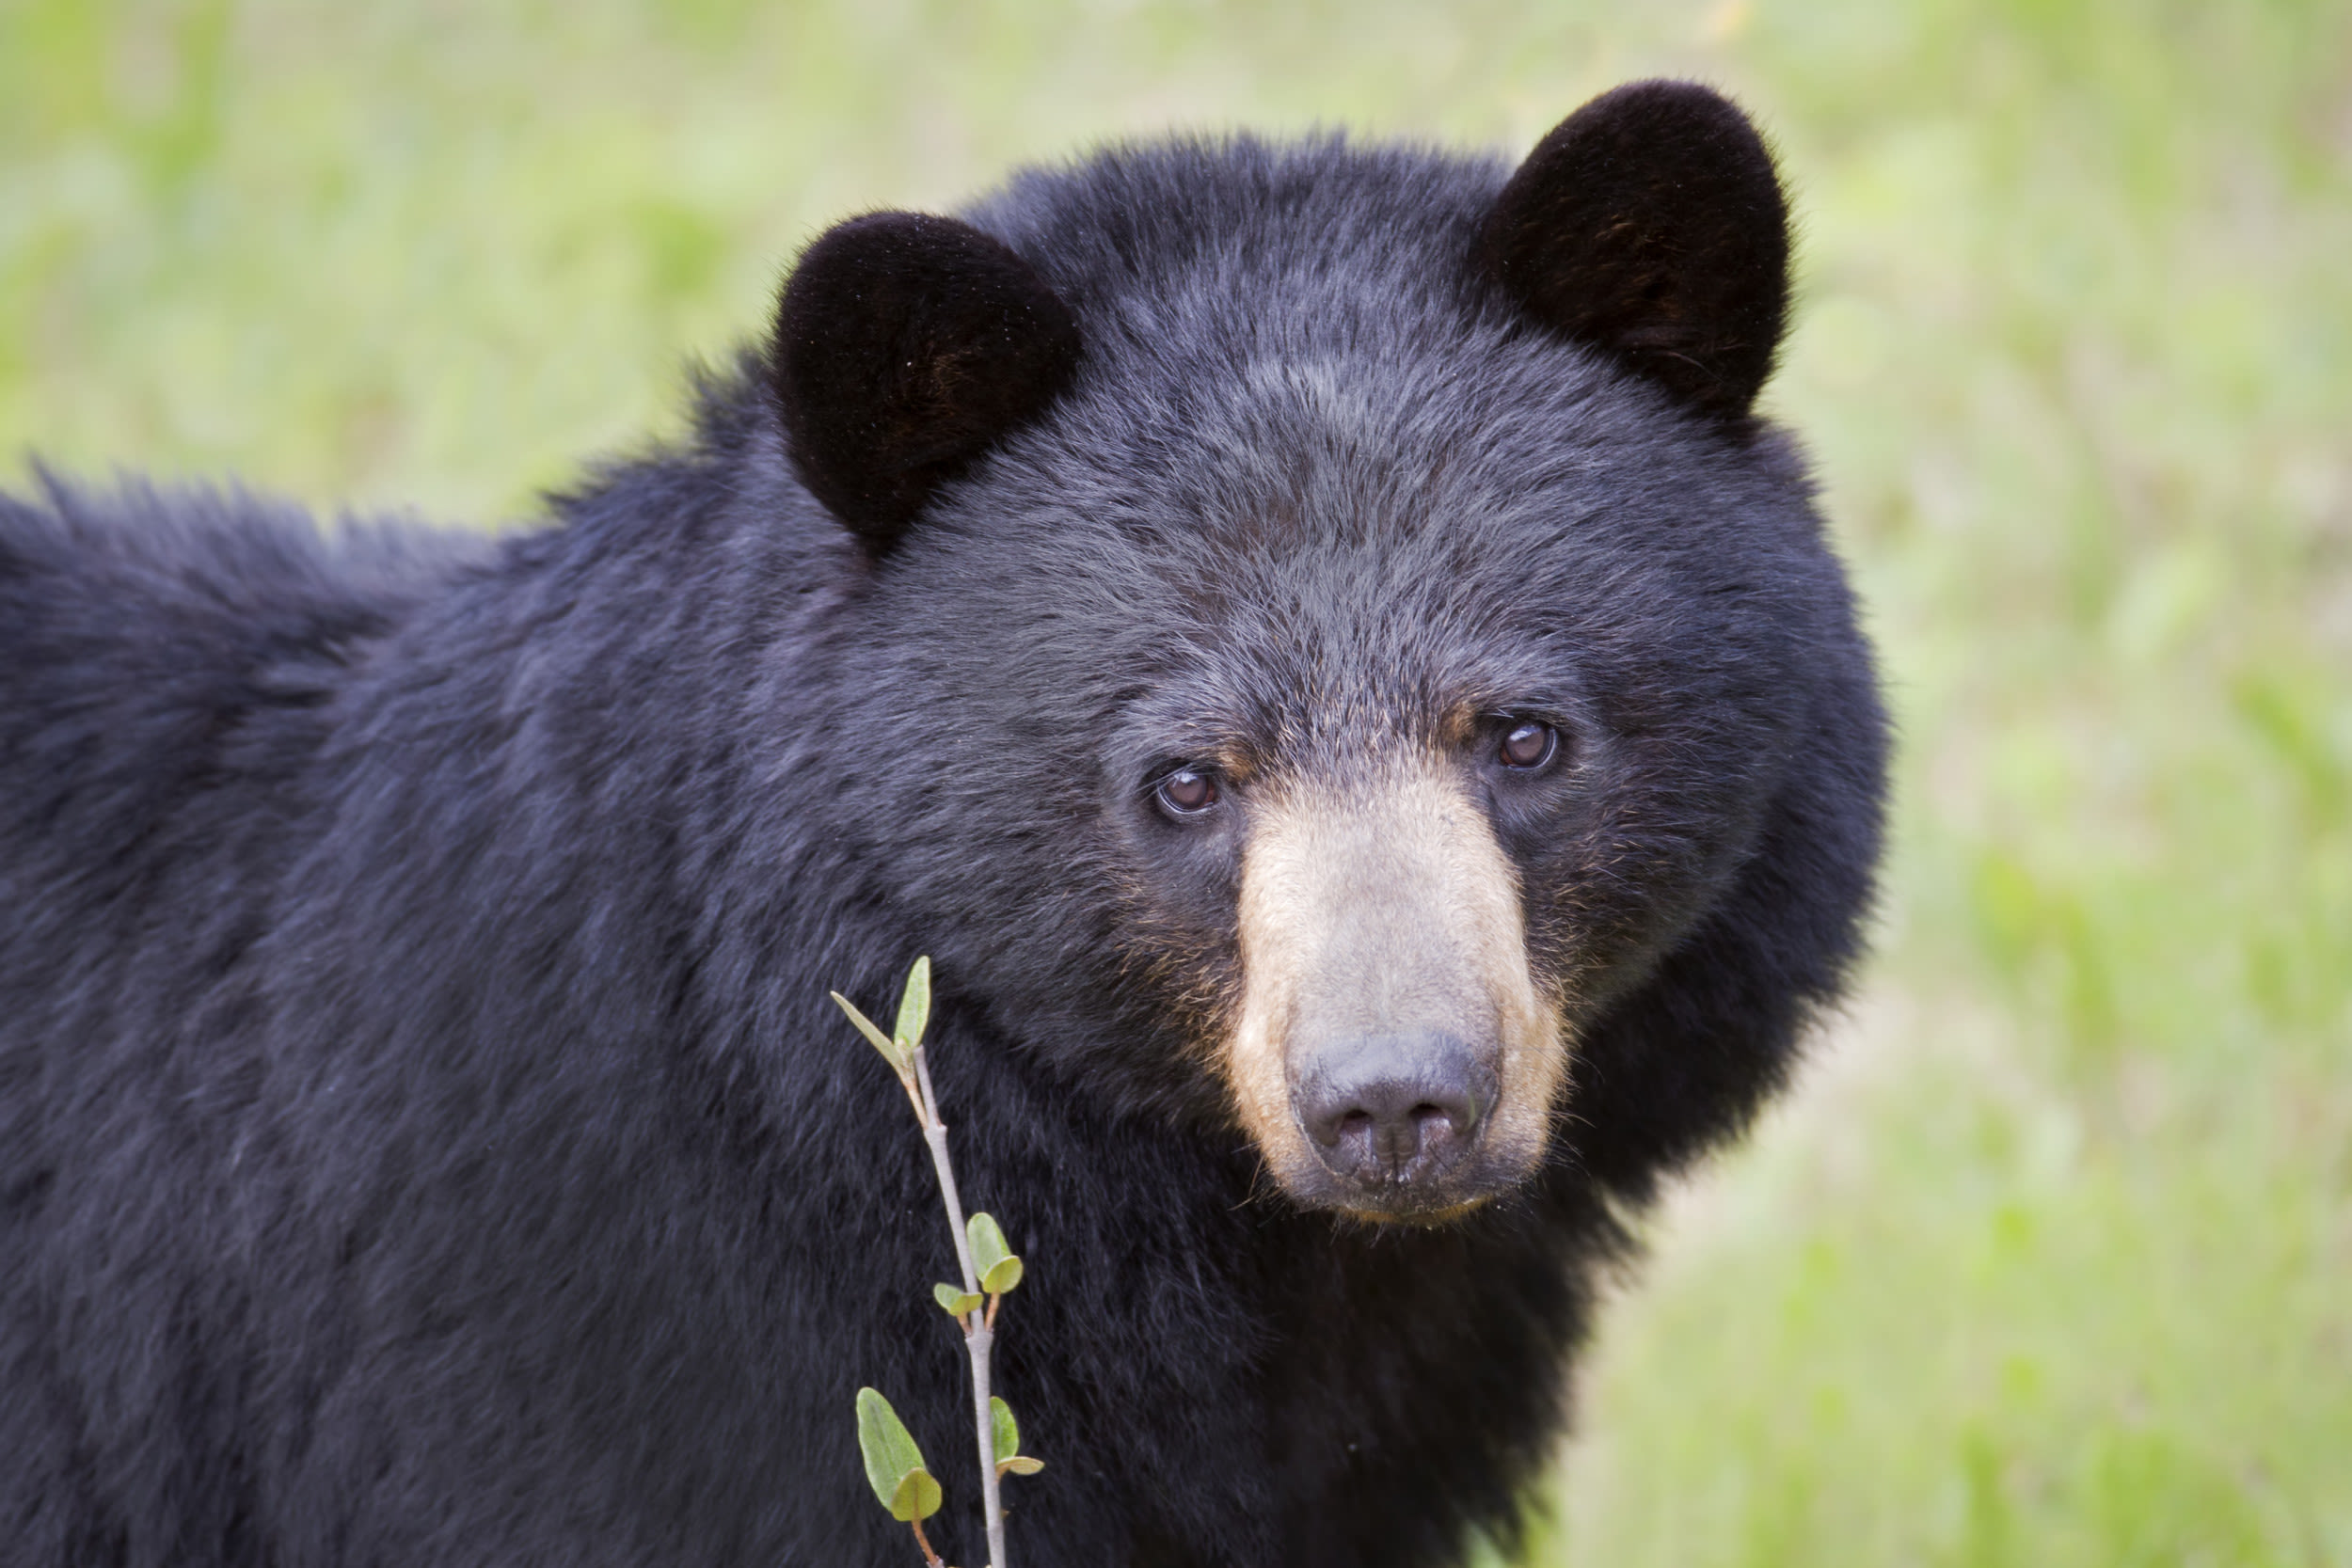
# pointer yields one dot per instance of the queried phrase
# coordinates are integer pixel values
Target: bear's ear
(905, 346)
(1650, 224)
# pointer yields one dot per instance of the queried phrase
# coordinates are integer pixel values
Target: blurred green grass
(2049, 1259)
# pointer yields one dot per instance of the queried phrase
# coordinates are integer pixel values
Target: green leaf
(998, 1265)
(988, 1241)
(918, 1498)
(893, 1466)
(1006, 1431)
(956, 1302)
(902, 1062)
(1005, 1437)
(914, 1006)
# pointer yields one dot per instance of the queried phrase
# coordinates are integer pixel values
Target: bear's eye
(1186, 792)
(1528, 744)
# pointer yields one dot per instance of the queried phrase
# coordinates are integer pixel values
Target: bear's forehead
(1309, 481)
(1364, 484)
(1347, 529)
(1288, 345)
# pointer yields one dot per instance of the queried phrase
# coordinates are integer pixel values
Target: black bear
(1314, 641)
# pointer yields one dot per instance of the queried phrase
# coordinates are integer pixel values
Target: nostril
(1352, 1129)
(1399, 1116)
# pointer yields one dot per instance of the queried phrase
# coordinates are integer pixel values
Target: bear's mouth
(1392, 1054)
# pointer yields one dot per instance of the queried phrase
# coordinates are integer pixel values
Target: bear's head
(1325, 621)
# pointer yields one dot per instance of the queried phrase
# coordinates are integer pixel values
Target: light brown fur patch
(1375, 905)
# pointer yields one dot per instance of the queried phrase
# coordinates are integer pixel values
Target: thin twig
(980, 1332)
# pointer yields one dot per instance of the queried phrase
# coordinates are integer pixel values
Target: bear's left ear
(1650, 224)
(906, 345)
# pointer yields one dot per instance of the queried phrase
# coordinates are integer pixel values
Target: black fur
(1651, 225)
(423, 1135)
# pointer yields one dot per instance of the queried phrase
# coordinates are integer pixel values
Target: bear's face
(1304, 752)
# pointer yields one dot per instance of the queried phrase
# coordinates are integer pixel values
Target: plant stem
(979, 1333)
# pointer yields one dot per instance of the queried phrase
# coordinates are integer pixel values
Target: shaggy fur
(423, 1135)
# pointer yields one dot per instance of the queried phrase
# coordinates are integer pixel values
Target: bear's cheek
(1391, 1050)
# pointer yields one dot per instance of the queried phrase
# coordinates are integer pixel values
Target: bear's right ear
(906, 345)
(1650, 224)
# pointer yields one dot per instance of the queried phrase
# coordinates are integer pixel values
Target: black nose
(1394, 1109)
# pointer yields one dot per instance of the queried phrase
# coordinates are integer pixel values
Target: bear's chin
(1419, 1219)
(1483, 1179)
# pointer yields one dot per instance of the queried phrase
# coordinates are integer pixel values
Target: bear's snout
(1394, 1110)
(1393, 1056)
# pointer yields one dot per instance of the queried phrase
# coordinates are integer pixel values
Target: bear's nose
(1394, 1109)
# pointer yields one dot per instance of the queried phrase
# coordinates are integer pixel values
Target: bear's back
(168, 664)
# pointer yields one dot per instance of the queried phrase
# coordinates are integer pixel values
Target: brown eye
(1186, 792)
(1528, 744)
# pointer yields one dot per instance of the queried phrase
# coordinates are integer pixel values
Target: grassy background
(2049, 1260)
